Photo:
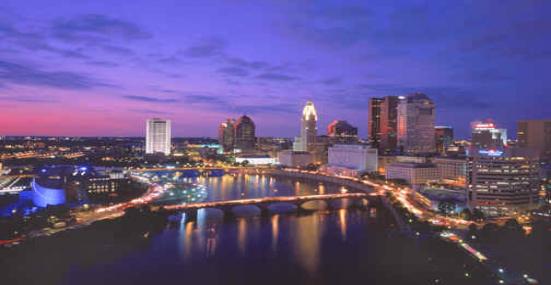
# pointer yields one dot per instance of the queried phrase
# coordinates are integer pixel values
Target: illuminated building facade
(382, 123)
(342, 132)
(308, 129)
(501, 183)
(452, 169)
(74, 185)
(412, 172)
(535, 136)
(226, 135)
(291, 158)
(443, 136)
(43, 196)
(485, 135)
(374, 121)
(158, 136)
(416, 124)
(353, 156)
(245, 134)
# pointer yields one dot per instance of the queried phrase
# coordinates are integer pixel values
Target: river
(338, 246)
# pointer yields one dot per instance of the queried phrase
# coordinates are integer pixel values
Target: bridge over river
(264, 202)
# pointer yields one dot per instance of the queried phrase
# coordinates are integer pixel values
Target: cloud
(94, 26)
(151, 99)
(332, 81)
(26, 99)
(276, 76)
(243, 63)
(448, 97)
(332, 25)
(264, 109)
(36, 41)
(118, 50)
(206, 99)
(234, 71)
(103, 63)
(15, 73)
(226, 104)
(206, 48)
(150, 111)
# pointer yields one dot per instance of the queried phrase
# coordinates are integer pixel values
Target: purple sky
(102, 68)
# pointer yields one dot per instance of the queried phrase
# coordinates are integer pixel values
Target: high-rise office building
(501, 183)
(374, 121)
(342, 131)
(443, 136)
(308, 129)
(535, 136)
(416, 124)
(245, 134)
(226, 135)
(382, 123)
(158, 136)
(353, 156)
(485, 135)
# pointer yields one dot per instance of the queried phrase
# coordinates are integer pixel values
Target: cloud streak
(19, 74)
(148, 99)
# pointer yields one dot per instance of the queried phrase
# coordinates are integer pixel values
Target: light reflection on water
(302, 235)
(247, 247)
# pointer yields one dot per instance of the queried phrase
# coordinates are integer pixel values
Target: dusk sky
(101, 68)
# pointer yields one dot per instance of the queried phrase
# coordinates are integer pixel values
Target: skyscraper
(245, 134)
(226, 134)
(485, 135)
(443, 136)
(382, 123)
(308, 129)
(342, 131)
(158, 136)
(374, 121)
(535, 136)
(501, 183)
(416, 124)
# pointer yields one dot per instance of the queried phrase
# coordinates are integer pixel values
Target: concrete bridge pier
(264, 210)
(191, 215)
(360, 204)
(228, 213)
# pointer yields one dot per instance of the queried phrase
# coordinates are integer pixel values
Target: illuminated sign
(490, 152)
(484, 126)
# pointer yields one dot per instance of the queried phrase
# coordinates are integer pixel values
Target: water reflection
(186, 235)
(321, 189)
(343, 222)
(211, 241)
(275, 232)
(242, 235)
(307, 241)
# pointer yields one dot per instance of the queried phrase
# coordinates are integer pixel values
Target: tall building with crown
(308, 129)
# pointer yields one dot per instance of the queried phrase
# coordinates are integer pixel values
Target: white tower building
(158, 136)
(308, 129)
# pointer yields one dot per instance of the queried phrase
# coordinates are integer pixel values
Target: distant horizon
(511, 134)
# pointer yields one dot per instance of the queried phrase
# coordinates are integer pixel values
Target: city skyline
(60, 66)
(275, 142)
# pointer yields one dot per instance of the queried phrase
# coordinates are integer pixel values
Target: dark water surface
(343, 246)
